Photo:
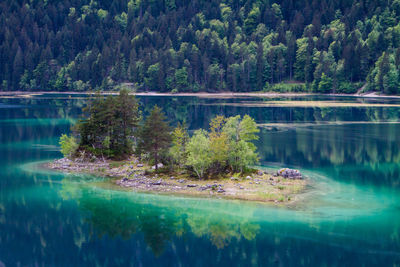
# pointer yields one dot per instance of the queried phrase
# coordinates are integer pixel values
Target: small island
(147, 155)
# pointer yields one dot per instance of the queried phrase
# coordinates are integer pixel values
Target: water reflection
(57, 219)
(115, 214)
(364, 153)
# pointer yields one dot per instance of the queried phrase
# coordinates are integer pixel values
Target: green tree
(325, 84)
(113, 117)
(250, 23)
(155, 136)
(181, 79)
(391, 82)
(68, 145)
(199, 154)
(241, 132)
(177, 151)
(151, 79)
(218, 143)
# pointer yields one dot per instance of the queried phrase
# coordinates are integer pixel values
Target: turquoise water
(350, 215)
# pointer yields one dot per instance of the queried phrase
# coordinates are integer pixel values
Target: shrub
(68, 145)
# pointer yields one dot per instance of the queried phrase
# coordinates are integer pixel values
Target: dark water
(349, 217)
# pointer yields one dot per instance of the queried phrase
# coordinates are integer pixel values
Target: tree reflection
(118, 215)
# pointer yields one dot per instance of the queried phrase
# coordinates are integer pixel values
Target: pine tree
(154, 134)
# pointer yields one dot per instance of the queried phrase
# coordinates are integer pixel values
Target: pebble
(157, 183)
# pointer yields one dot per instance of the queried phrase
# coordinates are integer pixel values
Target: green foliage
(214, 46)
(152, 76)
(241, 132)
(325, 84)
(252, 19)
(110, 124)
(177, 151)
(154, 135)
(199, 154)
(285, 87)
(181, 79)
(228, 146)
(68, 145)
(348, 88)
(385, 76)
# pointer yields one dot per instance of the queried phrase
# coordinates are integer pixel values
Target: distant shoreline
(199, 94)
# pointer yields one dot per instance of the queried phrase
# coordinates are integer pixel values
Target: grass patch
(286, 88)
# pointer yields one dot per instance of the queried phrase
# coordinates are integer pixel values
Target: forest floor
(130, 175)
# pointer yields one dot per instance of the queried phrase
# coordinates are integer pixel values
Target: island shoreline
(261, 187)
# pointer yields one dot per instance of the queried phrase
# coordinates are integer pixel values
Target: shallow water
(350, 215)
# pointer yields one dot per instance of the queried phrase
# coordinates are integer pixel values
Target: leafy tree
(155, 136)
(241, 155)
(218, 143)
(68, 145)
(199, 154)
(241, 132)
(178, 151)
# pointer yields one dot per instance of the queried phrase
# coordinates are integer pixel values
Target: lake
(349, 148)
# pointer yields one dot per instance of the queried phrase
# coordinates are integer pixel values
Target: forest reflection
(362, 153)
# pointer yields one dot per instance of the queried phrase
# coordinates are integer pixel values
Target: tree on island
(177, 151)
(112, 127)
(199, 156)
(241, 133)
(154, 135)
(227, 147)
(68, 145)
(110, 124)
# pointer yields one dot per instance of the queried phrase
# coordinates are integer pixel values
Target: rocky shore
(278, 187)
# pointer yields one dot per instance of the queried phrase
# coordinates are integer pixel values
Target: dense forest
(189, 46)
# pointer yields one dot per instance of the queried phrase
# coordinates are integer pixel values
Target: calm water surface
(350, 215)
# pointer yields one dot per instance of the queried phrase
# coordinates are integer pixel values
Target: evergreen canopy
(199, 45)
